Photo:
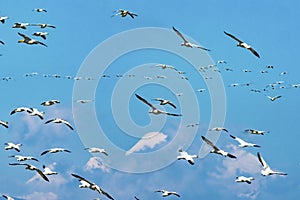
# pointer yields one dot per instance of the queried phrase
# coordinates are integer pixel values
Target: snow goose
(164, 102)
(24, 158)
(267, 170)
(28, 40)
(164, 66)
(11, 145)
(32, 168)
(216, 149)
(244, 179)
(184, 155)
(20, 25)
(43, 25)
(7, 197)
(243, 44)
(274, 98)
(124, 13)
(50, 102)
(59, 120)
(186, 43)
(155, 110)
(2, 19)
(166, 193)
(55, 150)
(87, 184)
(48, 171)
(4, 123)
(41, 34)
(256, 132)
(218, 129)
(243, 143)
(39, 10)
(96, 150)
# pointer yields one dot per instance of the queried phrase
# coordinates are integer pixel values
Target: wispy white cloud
(250, 195)
(40, 196)
(149, 140)
(95, 163)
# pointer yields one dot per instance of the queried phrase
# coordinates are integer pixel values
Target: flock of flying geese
(183, 155)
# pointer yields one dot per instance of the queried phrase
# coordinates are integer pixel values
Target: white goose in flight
(166, 193)
(96, 150)
(124, 13)
(20, 25)
(87, 184)
(243, 44)
(55, 150)
(41, 34)
(11, 145)
(39, 10)
(218, 129)
(48, 171)
(32, 168)
(43, 25)
(4, 123)
(216, 149)
(244, 179)
(184, 155)
(2, 19)
(59, 121)
(7, 197)
(50, 102)
(28, 40)
(267, 170)
(244, 143)
(155, 110)
(164, 66)
(186, 43)
(24, 158)
(256, 132)
(274, 98)
(164, 102)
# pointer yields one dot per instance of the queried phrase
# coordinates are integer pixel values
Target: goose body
(28, 40)
(244, 179)
(166, 193)
(97, 150)
(3, 19)
(50, 102)
(24, 158)
(184, 155)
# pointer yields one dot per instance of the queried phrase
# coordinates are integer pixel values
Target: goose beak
(20, 41)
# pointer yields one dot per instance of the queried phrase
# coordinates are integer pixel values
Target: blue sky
(271, 28)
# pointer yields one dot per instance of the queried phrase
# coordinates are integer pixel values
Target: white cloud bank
(149, 140)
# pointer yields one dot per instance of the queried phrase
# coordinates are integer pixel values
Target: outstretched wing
(42, 174)
(254, 52)
(209, 143)
(106, 194)
(81, 178)
(24, 36)
(144, 100)
(262, 161)
(173, 114)
(172, 104)
(233, 37)
(179, 34)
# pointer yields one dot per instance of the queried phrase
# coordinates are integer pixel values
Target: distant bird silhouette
(124, 13)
